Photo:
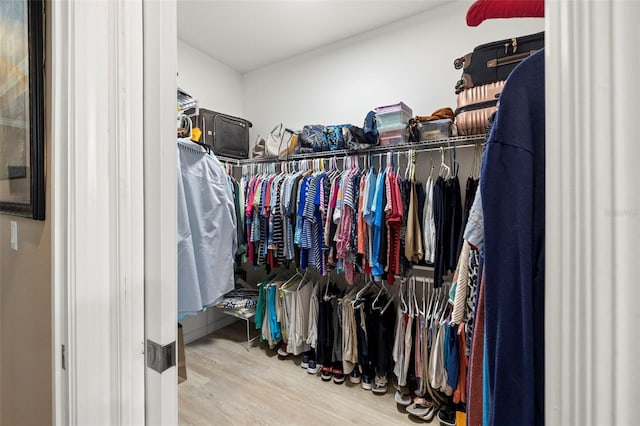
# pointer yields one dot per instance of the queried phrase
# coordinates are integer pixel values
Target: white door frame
(593, 212)
(160, 201)
(97, 212)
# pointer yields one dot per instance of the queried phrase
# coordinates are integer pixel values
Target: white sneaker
(380, 384)
(402, 399)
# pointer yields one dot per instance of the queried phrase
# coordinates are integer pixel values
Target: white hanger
(423, 311)
(326, 296)
(377, 298)
(405, 308)
(443, 165)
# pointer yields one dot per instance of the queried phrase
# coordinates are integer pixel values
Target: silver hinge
(161, 358)
(64, 360)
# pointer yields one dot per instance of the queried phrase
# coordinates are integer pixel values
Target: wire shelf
(423, 146)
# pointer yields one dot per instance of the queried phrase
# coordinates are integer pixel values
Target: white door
(160, 52)
(113, 211)
(97, 210)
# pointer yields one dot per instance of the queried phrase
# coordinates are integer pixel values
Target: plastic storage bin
(392, 128)
(396, 137)
(393, 115)
(436, 129)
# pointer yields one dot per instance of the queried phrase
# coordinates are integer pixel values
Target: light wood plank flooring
(228, 385)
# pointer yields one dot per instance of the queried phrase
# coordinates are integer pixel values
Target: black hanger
(207, 147)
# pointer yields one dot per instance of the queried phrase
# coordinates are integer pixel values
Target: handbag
(259, 149)
(273, 143)
(292, 145)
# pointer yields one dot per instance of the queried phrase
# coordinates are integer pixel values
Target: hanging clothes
(207, 237)
(514, 226)
(429, 229)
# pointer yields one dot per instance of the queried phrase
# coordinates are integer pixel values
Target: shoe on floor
(312, 368)
(447, 416)
(305, 361)
(403, 399)
(338, 375)
(355, 377)
(327, 374)
(432, 413)
(367, 382)
(380, 384)
(282, 350)
(420, 407)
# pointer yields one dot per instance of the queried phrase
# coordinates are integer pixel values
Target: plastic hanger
(416, 308)
(391, 299)
(443, 165)
(364, 288)
(326, 296)
(383, 289)
(423, 310)
(405, 308)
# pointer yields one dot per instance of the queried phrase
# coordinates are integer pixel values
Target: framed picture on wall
(22, 181)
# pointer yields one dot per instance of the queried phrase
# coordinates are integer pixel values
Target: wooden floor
(228, 385)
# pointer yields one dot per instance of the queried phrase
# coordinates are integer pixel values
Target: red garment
(481, 10)
(474, 407)
(394, 222)
(460, 394)
(249, 214)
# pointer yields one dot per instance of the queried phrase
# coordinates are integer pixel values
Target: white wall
(218, 87)
(410, 60)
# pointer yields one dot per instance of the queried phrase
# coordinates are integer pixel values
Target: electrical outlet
(14, 235)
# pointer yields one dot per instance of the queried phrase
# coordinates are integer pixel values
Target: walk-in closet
(349, 266)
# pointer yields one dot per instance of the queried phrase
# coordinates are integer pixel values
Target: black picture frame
(29, 176)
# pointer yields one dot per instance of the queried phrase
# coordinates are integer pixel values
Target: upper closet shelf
(430, 145)
(186, 102)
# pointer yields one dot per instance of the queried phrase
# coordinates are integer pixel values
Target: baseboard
(208, 329)
(195, 334)
(221, 323)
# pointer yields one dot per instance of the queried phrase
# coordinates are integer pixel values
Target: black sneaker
(305, 361)
(367, 382)
(355, 377)
(327, 374)
(312, 368)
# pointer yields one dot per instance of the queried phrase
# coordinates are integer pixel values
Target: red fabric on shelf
(481, 10)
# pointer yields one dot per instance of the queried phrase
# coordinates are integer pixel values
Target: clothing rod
(425, 146)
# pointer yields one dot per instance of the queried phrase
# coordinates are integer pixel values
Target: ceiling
(250, 34)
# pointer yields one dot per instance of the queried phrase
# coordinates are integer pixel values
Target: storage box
(436, 129)
(392, 128)
(393, 115)
(397, 136)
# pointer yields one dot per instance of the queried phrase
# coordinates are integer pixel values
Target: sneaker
(367, 382)
(313, 368)
(282, 350)
(355, 377)
(432, 413)
(338, 376)
(380, 384)
(327, 374)
(403, 399)
(305, 361)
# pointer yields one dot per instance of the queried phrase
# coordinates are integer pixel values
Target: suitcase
(225, 134)
(494, 61)
(475, 105)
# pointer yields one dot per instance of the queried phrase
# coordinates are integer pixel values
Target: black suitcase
(225, 134)
(492, 62)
